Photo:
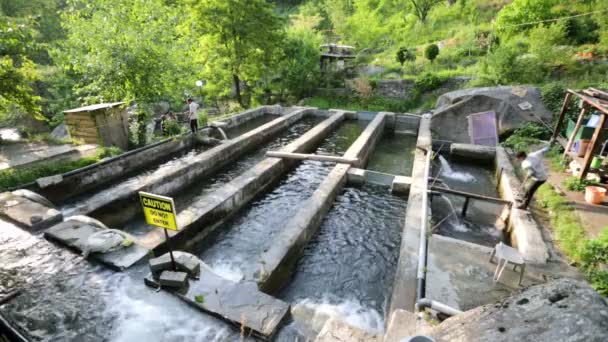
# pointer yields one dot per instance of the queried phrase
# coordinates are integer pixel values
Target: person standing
(534, 167)
(193, 115)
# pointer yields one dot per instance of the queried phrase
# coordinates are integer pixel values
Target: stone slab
(336, 330)
(74, 235)
(241, 304)
(28, 213)
(460, 275)
(479, 153)
(173, 279)
(183, 261)
(401, 185)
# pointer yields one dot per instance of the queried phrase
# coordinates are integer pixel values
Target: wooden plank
(562, 115)
(593, 102)
(302, 156)
(592, 146)
(579, 123)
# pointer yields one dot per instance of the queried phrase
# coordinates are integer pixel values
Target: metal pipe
(421, 272)
(437, 306)
(421, 301)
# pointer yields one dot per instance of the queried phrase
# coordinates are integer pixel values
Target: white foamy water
(228, 269)
(144, 315)
(352, 312)
(447, 171)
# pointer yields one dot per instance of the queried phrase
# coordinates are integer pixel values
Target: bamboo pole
(303, 156)
(562, 115)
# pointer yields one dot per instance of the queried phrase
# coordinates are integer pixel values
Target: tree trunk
(237, 88)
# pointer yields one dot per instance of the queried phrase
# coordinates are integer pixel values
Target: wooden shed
(106, 124)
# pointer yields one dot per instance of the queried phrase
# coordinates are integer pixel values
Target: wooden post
(579, 123)
(592, 145)
(465, 207)
(562, 115)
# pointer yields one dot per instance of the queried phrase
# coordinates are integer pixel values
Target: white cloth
(534, 165)
(193, 110)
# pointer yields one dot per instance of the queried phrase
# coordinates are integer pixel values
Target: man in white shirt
(193, 111)
(534, 167)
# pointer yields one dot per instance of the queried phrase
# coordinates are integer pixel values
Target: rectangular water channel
(347, 270)
(394, 154)
(232, 250)
(105, 189)
(202, 187)
(478, 226)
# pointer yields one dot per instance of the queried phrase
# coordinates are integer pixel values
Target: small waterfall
(447, 171)
(224, 136)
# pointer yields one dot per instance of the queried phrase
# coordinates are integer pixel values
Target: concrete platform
(238, 303)
(460, 274)
(74, 234)
(20, 155)
(28, 213)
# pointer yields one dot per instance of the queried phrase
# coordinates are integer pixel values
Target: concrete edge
(170, 180)
(524, 231)
(242, 189)
(404, 286)
(275, 264)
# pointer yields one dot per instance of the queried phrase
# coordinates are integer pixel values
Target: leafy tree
(17, 71)
(298, 67)
(524, 11)
(122, 49)
(404, 54)
(431, 52)
(423, 7)
(237, 39)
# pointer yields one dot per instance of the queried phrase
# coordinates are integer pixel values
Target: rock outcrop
(514, 106)
(562, 310)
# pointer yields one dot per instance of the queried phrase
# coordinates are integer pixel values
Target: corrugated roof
(94, 107)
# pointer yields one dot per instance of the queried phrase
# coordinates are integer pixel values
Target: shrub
(404, 54)
(431, 52)
(202, 118)
(428, 82)
(529, 134)
(171, 128)
(577, 184)
(553, 97)
(590, 254)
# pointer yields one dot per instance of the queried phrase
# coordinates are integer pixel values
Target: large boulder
(450, 121)
(562, 310)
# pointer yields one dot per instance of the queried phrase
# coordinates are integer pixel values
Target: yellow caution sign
(159, 210)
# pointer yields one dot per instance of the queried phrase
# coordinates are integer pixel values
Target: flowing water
(394, 154)
(66, 298)
(231, 251)
(348, 268)
(79, 204)
(479, 224)
(202, 187)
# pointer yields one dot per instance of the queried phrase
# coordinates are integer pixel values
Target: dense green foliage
(526, 136)
(431, 52)
(590, 253)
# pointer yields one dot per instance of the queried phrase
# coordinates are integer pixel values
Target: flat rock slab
(185, 262)
(173, 279)
(241, 304)
(28, 213)
(74, 234)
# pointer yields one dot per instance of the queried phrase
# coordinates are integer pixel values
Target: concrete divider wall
(197, 221)
(275, 264)
(523, 230)
(235, 120)
(168, 181)
(104, 172)
(404, 288)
